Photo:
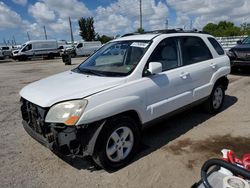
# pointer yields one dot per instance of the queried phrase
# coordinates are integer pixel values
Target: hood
(66, 86)
(242, 47)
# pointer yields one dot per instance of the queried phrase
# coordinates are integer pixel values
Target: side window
(194, 50)
(27, 48)
(166, 54)
(80, 45)
(216, 46)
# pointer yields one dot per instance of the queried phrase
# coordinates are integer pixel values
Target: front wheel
(117, 143)
(216, 99)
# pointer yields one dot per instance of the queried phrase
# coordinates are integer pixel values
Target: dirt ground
(171, 154)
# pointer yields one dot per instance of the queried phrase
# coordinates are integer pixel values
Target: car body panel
(66, 86)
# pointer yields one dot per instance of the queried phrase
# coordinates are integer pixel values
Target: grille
(244, 55)
(34, 116)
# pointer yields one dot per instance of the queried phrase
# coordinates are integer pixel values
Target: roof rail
(165, 31)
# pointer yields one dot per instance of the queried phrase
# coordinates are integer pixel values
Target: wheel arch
(224, 81)
(96, 136)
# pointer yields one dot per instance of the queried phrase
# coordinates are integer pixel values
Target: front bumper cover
(240, 63)
(76, 141)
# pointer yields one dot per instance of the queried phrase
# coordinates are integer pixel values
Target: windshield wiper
(89, 71)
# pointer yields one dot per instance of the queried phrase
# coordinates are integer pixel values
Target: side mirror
(239, 42)
(155, 67)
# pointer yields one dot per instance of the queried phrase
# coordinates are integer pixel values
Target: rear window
(216, 46)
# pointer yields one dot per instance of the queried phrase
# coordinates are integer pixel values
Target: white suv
(100, 108)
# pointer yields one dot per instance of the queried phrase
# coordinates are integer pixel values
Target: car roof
(150, 36)
(137, 37)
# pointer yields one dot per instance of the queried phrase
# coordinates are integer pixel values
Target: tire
(73, 55)
(22, 58)
(51, 56)
(112, 150)
(215, 102)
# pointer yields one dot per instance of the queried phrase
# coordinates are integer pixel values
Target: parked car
(69, 49)
(37, 48)
(104, 104)
(6, 51)
(84, 48)
(2, 56)
(240, 54)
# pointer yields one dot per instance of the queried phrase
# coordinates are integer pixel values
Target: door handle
(213, 65)
(184, 75)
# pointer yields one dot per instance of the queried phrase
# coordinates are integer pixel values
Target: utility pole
(14, 40)
(140, 14)
(166, 23)
(28, 35)
(45, 34)
(71, 33)
(4, 41)
(191, 24)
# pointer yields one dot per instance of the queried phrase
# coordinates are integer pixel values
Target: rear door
(197, 64)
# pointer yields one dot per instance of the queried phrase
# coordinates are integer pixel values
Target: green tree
(210, 28)
(87, 30)
(104, 38)
(245, 28)
(140, 30)
(222, 29)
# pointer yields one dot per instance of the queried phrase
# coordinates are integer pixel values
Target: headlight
(230, 53)
(66, 112)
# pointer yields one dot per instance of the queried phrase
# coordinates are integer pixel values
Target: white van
(87, 48)
(37, 48)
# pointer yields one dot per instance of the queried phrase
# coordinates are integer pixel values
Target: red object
(232, 159)
(246, 161)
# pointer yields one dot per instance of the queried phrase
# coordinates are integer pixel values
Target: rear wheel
(117, 143)
(51, 56)
(216, 99)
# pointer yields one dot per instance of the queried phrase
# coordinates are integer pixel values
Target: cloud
(123, 16)
(65, 8)
(61, 26)
(20, 2)
(34, 29)
(202, 12)
(8, 17)
(41, 12)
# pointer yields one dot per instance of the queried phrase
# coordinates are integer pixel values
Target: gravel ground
(171, 154)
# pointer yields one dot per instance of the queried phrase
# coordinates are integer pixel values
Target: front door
(168, 90)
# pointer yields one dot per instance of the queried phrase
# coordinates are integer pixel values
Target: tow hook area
(66, 140)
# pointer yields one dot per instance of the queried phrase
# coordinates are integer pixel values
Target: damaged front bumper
(67, 140)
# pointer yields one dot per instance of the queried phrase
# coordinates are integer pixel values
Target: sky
(111, 17)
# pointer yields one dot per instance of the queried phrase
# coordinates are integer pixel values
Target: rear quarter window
(216, 46)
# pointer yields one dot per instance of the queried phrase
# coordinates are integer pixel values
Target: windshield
(115, 58)
(246, 41)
